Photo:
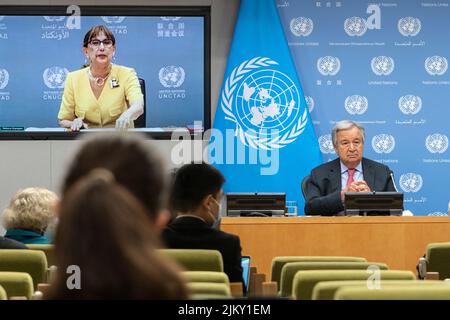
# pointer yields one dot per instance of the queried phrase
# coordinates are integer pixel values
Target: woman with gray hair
(28, 215)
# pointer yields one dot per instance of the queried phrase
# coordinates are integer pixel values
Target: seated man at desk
(328, 183)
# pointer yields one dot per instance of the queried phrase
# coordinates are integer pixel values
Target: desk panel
(397, 241)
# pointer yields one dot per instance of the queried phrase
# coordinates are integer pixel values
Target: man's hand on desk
(356, 186)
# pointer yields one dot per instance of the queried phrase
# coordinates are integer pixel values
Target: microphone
(391, 174)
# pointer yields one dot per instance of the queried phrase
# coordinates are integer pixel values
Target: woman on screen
(101, 94)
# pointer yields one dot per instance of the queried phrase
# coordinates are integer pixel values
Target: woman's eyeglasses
(107, 43)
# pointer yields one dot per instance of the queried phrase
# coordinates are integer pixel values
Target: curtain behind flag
(263, 138)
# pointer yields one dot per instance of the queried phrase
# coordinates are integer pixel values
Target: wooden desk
(397, 241)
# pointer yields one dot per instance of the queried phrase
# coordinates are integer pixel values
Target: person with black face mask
(195, 199)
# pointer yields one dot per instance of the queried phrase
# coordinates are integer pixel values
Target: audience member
(195, 197)
(28, 215)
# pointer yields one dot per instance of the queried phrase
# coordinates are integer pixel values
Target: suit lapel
(369, 174)
(335, 175)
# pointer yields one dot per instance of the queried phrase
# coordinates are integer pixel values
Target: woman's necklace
(99, 81)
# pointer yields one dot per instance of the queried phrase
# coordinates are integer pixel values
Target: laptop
(245, 263)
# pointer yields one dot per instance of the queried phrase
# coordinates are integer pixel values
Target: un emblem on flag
(411, 182)
(264, 104)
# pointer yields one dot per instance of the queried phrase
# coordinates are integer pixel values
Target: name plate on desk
(373, 203)
(249, 204)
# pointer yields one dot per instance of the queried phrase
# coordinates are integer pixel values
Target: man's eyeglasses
(107, 43)
(346, 144)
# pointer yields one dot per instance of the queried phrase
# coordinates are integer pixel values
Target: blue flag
(263, 138)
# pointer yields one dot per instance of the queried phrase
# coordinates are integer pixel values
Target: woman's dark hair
(95, 31)
(134, 165)
(192, 183)
(104, 230)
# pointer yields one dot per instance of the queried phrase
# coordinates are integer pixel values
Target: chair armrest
(236, 289)
(270, 289)
(18, 298)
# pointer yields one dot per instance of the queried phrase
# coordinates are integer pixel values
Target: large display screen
(168, 47)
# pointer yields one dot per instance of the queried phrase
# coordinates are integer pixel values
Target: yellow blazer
(79, 101)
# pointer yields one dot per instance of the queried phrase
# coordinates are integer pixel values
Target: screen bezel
(104, 10)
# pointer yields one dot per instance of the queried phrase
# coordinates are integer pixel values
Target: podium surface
(397, 241)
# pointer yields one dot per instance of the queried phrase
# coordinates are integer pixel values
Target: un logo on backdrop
(383, 143)
(410, 104)
(437, 143)
(328, 65)
(4, 78)
(326, 144)
(171, 76)
(411, 182)
(113, 19)
(436, 65)
(54, 77)
(310, 103)
(301, 26)
(264, 104)
(409, 26)
(382, 65)
(355, 26)
(356, 104)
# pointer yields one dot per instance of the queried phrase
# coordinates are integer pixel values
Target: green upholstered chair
(195, 259)
(3, 295)
(279, 262)
(210, 290)
(33, 262)
(325, 290)
(305, 281)
(48, 249)
(438, 259)
(290, 269)
(17, 284)
(206, 276)
(399, 292)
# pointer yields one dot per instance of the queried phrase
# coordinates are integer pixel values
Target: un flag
(263, 138)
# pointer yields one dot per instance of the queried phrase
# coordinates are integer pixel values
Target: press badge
(114, 83)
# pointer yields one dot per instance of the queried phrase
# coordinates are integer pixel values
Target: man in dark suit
(328, 183)
(195, 198)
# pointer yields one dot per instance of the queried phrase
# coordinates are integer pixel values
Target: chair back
(141, 121)
(304, 186)
(33, 262)
(438, 259)
(206, 276)
(48, 249)
(290, 269)
(17, 284)
(279, 262)
(325, 290)
(3, 295)
(305, 281)
(399, 292)
(208, 290)
(196, 259)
